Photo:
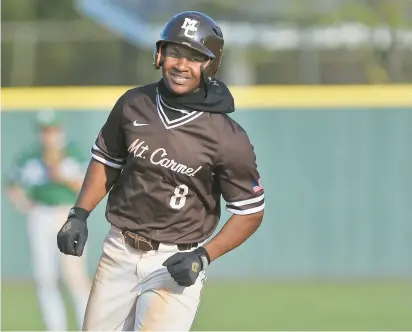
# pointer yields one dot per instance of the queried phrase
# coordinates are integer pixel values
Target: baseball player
(167, 153)
(43, 185)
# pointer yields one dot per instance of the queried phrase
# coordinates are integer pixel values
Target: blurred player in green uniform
(43, 185)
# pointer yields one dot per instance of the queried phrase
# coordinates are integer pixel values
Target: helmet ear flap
(205, 70)
(159, 57)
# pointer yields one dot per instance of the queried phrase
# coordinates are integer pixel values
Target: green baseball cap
(48, 118)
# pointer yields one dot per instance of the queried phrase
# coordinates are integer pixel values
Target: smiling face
(181, 68)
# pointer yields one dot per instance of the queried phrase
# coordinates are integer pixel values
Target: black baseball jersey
(175, 170)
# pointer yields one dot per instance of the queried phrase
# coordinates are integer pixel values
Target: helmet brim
(197, 47)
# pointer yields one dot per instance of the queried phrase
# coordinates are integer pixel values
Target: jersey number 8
(178, 200)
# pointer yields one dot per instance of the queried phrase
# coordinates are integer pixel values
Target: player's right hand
(72, 237)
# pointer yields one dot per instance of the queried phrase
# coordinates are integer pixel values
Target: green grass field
(356, 305)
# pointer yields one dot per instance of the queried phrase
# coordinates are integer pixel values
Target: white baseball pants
(132, 291)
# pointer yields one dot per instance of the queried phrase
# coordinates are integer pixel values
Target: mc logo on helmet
(190, 27)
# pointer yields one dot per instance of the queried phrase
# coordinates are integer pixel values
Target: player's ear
(162, 54)
(159, 55)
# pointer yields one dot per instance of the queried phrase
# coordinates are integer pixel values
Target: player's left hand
(184, 267)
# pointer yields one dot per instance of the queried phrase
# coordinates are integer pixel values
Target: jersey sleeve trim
(96, 148)
(105, 158)
(106, 162)
(247, 211)
(247, 201)
(247, 206)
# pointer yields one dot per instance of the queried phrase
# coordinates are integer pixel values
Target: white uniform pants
(49, 264)
(133, 291)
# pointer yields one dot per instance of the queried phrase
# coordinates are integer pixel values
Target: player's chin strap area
(217, 100)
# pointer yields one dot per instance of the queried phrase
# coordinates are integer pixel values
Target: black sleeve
(237, 172)
(110, 147)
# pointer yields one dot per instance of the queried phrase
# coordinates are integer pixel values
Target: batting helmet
(197, 31)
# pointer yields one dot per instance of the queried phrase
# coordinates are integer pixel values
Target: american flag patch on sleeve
(257, 186)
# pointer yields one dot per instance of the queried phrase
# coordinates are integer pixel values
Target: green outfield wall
(338, 183)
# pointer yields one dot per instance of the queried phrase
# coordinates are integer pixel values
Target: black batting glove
(184, 267)
(72, 237)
